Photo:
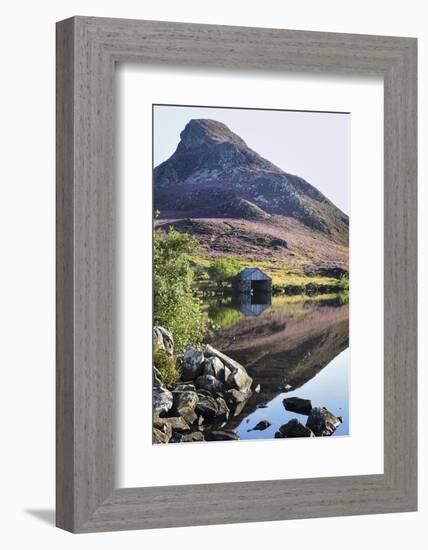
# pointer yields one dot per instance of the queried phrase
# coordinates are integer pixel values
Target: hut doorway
(259, 287)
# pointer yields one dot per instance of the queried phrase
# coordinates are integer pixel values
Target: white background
(27, 271)
(362, 451)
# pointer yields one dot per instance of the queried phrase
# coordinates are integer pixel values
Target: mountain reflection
(283, 345)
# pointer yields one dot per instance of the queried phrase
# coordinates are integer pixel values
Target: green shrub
(176, 306)
(166, 365)
(344, 282)
(224, 269)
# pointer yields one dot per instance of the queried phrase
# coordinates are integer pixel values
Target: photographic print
(250, 274)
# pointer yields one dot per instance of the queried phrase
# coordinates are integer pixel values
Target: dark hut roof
(253, 273)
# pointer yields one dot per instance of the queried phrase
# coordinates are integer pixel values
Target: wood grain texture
(87, 49)
(64, 276)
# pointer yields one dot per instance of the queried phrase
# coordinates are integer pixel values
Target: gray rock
(212, 409)
(262, 425)
(221, 435)
(185, 387)
(322, 422)
(239, 408)
(171, 424)
(164, 339)
(200, 422)
(294, 428)
(161, 401)
(176, 438)
(157, 379)
(215, 367)
(207, 407)
(209, 383)
(223, 410)
(159, 437)
(203, 393)
(233, 397)
(298, 405)
(184, 401)
(189, 416)
(192, 364)
(239, 380)
(209, 351)
(164, 427)
(193, 436)
(227, 373)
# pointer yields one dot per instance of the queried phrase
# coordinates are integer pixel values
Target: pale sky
(312, 145)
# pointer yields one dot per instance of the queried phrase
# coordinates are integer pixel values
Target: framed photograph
(236, 274)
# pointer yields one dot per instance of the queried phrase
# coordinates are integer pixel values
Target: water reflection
(252, 305)
(291, 347)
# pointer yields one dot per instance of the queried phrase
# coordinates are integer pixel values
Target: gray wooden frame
(87, 50)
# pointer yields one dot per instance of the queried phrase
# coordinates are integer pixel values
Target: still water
(292, 347)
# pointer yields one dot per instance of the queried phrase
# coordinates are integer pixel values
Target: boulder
(227, 373)
(193, 436)
(209, 351)
(189, 416)
(184, 401)
(212, 409)
(171, 424)
(239, 380)
(176, 438)
(185, 387)
(159, 437)
(161, 401)
(200, 422)
(209, 383)
(207, 407)
(239, 408)
(223, 410)
(322, 422)
(262, 425)
(203, 393)
(192, 364)
(293, 428)
(163, 338)
(215, 367)
(164, 427)
(297, 405)
(233, 397)
(221, 435)
(157, 379)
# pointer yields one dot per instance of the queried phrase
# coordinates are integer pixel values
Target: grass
(281, 272)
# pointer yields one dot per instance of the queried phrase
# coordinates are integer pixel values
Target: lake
(292, 346)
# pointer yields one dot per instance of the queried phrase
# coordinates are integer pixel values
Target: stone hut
(252, 280)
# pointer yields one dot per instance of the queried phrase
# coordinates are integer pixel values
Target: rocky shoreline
(212, 389)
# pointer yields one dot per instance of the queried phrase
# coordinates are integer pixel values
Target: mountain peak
(214, 173)
(204, 132)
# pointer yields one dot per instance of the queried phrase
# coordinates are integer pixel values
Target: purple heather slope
(213, 175)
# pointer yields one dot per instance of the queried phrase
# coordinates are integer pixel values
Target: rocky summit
(235, 201)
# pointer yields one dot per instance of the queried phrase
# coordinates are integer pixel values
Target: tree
(224, 269)
(176, 307)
